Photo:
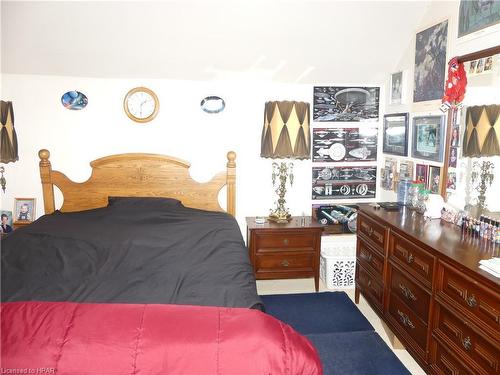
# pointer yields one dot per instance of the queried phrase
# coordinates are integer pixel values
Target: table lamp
(285, 135)
(482, 140)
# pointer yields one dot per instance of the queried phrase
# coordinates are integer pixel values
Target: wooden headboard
(137, 175)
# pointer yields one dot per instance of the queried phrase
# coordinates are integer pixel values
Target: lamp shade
(8, 136)
(482, 131)
(286, 130)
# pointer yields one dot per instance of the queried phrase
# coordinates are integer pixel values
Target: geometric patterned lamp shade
(8, 136)
(482, 131)
(286, 131)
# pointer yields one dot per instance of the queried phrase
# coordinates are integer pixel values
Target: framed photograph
(452, 161)
(24, 209)
(451, 184)
(405, 169)
(6, 222)
(475, 15)
(430, 63)
(389, 175)
(422, 173)
(396, 134)
(345, 103)
(396, 88)
(343, 182)
(427, 138)
(434, 179)
(344, 144)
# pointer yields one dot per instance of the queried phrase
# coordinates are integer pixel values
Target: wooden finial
(44, 154)
(231, 157)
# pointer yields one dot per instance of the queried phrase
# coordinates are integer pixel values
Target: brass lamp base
(279, 217)
(283, 172)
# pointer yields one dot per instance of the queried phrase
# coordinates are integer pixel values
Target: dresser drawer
(372, 230)
(414, 296)
(284, 262)
(285, 240)
(371, 287)
(448, 364)
(479, 304)
(370, 258)
(412, 258)
(469, 342)
(404, 318)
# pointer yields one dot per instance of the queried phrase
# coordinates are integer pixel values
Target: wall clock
(141, 104)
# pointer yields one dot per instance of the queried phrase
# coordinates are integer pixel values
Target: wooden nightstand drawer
(412, 258)
(375, 232)
(370, 258)
(279, 262)
(467, 341)
(481, 305)
(285, 240)
(414, 296)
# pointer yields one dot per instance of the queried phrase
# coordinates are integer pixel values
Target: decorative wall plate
(74, 100)
(213, 104)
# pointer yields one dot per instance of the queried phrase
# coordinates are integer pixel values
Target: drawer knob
(467, 343)
(285, 263)
(471, 301)
(285, 241)
(369, 258)
(405, 319)
(410, 259)
(407, 292)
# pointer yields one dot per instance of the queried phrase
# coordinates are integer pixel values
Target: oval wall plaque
(74, 100)
(213, 104)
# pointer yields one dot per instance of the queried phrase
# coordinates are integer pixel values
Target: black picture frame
(428, 137)
(395, 143)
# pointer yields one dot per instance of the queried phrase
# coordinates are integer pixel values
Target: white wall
(480, 90)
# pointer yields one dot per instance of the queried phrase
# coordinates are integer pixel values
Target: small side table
(285, 251)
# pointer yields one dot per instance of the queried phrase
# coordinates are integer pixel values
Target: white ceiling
(289, 41)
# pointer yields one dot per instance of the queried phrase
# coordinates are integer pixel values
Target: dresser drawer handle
(370, 231)
(467, 343)
(369, 283)
(407, 292)
(285, 241)
(410, 259)
(471, 301)
(285, 263)
(405, 319)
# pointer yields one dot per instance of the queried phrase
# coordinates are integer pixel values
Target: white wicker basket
(338, 261)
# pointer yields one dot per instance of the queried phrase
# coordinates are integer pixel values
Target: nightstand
(20, 224)
(285, 251)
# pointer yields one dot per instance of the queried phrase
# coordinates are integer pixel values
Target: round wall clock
(141, 104)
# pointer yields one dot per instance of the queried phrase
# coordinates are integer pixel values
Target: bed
(142, 271)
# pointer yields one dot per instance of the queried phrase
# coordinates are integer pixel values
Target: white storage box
(338, 261)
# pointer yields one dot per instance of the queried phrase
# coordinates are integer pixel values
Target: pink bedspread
(66, 338)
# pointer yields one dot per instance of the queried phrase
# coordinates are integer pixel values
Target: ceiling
(306, 41)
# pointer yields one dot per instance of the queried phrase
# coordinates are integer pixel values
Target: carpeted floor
(345, 340)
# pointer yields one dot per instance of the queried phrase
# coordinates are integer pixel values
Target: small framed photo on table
(428, 138)
(396, 134)
(24, 209)
(6, 222)
(421, 173)
(434, 179)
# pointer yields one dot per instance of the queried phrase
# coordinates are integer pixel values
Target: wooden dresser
(285, 251)
(423, 280)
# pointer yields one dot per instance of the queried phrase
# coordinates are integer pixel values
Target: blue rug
(345, 340)
(317, 312)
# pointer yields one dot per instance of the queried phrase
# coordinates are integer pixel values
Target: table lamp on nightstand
(285, 135)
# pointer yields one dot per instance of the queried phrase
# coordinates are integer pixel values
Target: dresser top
(444, 238)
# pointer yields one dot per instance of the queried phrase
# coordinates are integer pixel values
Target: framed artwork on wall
(396, 88)
(344, 182)
(475, 15)
(430, 63)
(428, 137)
(395, 140)
(346, 103)
(422, 173)
(24, 209)
(434, 179)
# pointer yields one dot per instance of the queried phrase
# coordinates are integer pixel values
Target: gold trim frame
(147, 91)
(32, 212)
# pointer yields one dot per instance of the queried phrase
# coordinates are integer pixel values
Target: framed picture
(6, 222)
(475, 15)
(344, 144)
(434, 179)
(396, 88)
(406, 169)
(451, 184)
(24, 209)
(430, 63)
(396, 134)
(389, 175)
(421, 173)
(452, 161)
(343, 182)
(427, 138)
(346, 103)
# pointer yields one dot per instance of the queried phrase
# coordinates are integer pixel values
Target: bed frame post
(231, 183)
(47, 186)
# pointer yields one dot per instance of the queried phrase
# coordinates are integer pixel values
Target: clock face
(141, 104)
